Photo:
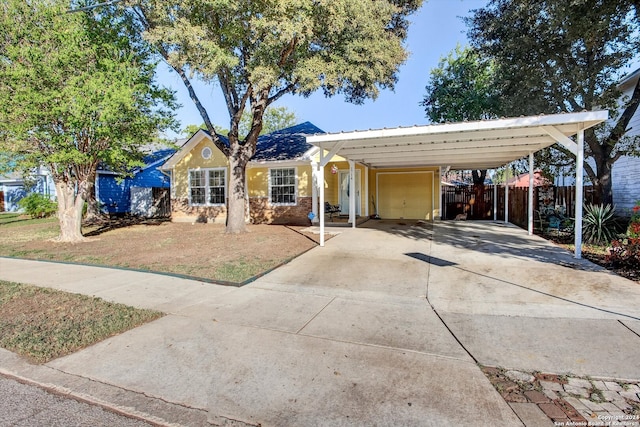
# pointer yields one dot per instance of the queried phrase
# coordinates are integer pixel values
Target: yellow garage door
(407, 195)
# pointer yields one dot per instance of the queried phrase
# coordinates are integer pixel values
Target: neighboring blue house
(13, 188)
(144, 193)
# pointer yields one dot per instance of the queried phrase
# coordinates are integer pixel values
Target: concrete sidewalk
(345, 334)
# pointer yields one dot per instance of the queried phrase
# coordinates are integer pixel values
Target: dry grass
(199, 250)
(43, 324)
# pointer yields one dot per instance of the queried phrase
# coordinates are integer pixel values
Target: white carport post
(579, 195)
(320, 176)
(506, 195)
(495, 197)
(352, 193)
(314, 191)
(530, 207)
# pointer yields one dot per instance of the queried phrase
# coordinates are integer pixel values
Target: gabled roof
(284, 144)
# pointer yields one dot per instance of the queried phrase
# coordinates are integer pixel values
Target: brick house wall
(263, 213)
(182, 212)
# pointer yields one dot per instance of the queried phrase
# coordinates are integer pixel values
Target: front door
(344, 193)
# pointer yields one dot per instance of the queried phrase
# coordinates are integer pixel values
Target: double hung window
(207, 187)
(282, 186)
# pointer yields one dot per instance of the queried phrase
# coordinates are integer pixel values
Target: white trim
(295, 172)
(508, 123)
(406, 173)
(207, 186)
(188, 146)
(468, 145)
(342, 172)
(207, 149)
(278, 164)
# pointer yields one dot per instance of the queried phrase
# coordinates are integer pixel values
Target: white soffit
(485, 144)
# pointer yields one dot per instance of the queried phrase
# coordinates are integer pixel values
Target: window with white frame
(282, 186)
(217, 185)
(208, 186)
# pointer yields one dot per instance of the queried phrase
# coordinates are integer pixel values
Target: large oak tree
(462, 88)
(75, 89)
(555, 56)
(258, 51)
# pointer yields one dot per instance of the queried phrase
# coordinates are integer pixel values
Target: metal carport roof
(485, 144)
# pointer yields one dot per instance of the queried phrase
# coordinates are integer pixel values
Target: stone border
(566, 400)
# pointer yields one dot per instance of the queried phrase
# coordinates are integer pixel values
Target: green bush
(599, 224)
(38, 205)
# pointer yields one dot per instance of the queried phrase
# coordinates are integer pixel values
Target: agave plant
(599, 223)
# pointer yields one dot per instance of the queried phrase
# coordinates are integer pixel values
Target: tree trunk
(603, 185)
(93, 210)
(70, 207)
(236, 206)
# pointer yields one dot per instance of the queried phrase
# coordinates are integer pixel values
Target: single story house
(282, 182)
(14, 186)
(144, 193)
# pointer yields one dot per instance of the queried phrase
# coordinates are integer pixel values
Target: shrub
(624, 253)
(634, 225)
(38, 206)
(599, 223)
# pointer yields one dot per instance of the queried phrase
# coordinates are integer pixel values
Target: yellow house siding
(258, 180)
(194, 160)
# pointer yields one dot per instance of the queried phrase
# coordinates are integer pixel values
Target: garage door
(407, 195)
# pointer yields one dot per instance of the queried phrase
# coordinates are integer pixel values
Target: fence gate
(162, 202)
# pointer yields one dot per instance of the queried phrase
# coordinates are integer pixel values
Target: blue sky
(435, 31)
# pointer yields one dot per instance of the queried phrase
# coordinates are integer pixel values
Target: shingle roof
(285, 144)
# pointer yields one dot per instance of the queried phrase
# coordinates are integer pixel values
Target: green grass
(11, 219)
(42, 324)
(241, 270)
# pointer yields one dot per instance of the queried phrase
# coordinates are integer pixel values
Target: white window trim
(206, 186)
(295, 194)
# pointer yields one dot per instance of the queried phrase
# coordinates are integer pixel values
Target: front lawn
(197, 250)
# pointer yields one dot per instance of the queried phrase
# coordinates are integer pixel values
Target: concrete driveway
(382, 326)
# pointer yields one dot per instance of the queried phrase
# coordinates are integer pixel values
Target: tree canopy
(75, 90)
(556, 56)
(258, 51)
(461, 87)
(275, 118)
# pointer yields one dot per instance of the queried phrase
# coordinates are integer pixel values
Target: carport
(486, 144)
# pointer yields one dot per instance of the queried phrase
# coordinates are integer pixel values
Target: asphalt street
(23, 405)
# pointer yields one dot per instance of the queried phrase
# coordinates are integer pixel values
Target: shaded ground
(198, 250)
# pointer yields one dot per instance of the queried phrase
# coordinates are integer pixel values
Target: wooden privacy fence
(460, 200)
